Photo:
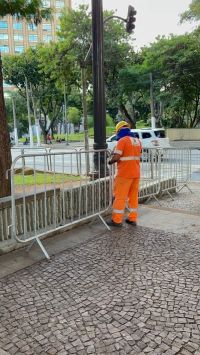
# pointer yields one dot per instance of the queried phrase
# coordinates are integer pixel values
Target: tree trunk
(124, 111)
(5, 152)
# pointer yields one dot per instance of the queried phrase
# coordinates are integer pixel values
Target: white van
(150, 138)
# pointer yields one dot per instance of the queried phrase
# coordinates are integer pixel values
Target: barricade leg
(104, 222)
(42, 248)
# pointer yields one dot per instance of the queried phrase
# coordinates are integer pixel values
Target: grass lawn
(79, 137)
(75, 137)
(41, 179)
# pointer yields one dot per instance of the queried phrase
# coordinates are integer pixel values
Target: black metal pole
(98, 76)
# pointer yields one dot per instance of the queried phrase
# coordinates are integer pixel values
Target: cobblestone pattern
(134, 291)
(184, 200)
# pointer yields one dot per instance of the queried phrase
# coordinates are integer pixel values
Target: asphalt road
(70, 159)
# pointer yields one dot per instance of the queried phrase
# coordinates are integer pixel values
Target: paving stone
(134, 291)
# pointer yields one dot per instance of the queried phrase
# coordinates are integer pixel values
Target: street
(182, 163)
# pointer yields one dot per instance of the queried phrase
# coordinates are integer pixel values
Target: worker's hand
(110, 162)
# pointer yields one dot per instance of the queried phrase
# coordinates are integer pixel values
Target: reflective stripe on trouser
(125, 190)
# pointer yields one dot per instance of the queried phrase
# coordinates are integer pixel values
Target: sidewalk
(151, 216)
(129, 291)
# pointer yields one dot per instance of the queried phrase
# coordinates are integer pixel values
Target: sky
(154, 17)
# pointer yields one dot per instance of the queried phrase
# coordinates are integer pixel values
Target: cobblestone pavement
(131, 291)
(184, 200)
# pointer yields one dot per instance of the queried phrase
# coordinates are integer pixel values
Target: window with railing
(3, 36)
(18, 37)
(17, 26)
(33, 38)
(19, 49)
(47, 27)
(4, 49)
(46, 3)
(60, 4)
(3, 25)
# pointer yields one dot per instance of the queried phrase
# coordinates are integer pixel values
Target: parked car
(149, 138)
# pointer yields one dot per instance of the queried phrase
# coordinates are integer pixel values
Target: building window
(59, 4)
(33, 38)
(47, 27)
(17, 26)
(18, 37)
(46, 3)
(3, 25)
(19, 49)
(4, 49)
(47, 38)
(3, 36)
(58, 15)
(32, 27)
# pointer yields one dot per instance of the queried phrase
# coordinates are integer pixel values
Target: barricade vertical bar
(24, 198)
(105, 179)
(54, 191)
(35, 199)
(87, 157)
(63, 190)
(13, 212)
(99, 179)
(80, 185)
(71, 200)
(93, 185)
(45, 192)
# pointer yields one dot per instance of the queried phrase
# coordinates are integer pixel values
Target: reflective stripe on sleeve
(129, 158)
(133, 209)
(118, 211)
(118, 152)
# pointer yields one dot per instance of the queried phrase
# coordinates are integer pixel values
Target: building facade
(16, 36)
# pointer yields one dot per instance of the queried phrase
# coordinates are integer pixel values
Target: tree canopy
(193, 13)
(32, 10)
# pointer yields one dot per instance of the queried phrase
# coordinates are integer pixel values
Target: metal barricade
(16, 151)
(150, 180)
(48, 201)
(175, 168)
(49, 197)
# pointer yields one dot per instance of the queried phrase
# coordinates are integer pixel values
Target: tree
(193, 13)
(74, 117)
(32, 11)
(47, 95)
(21, 113)
(176, 64)
(134, 84)
(5, 154)
(74, 44)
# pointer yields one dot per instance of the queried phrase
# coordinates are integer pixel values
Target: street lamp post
(15, 122)
(98, 85)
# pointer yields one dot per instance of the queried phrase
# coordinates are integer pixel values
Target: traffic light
(130, 19)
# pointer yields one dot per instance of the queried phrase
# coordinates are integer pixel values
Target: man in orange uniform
(127, 155)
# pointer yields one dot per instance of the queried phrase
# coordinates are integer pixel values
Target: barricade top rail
(68, 152)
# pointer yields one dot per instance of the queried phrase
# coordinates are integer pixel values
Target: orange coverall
(126, 182)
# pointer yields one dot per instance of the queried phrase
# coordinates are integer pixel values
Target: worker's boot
(132, 223)
(113, 224)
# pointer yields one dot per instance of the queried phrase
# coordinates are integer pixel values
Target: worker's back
(129, 164)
